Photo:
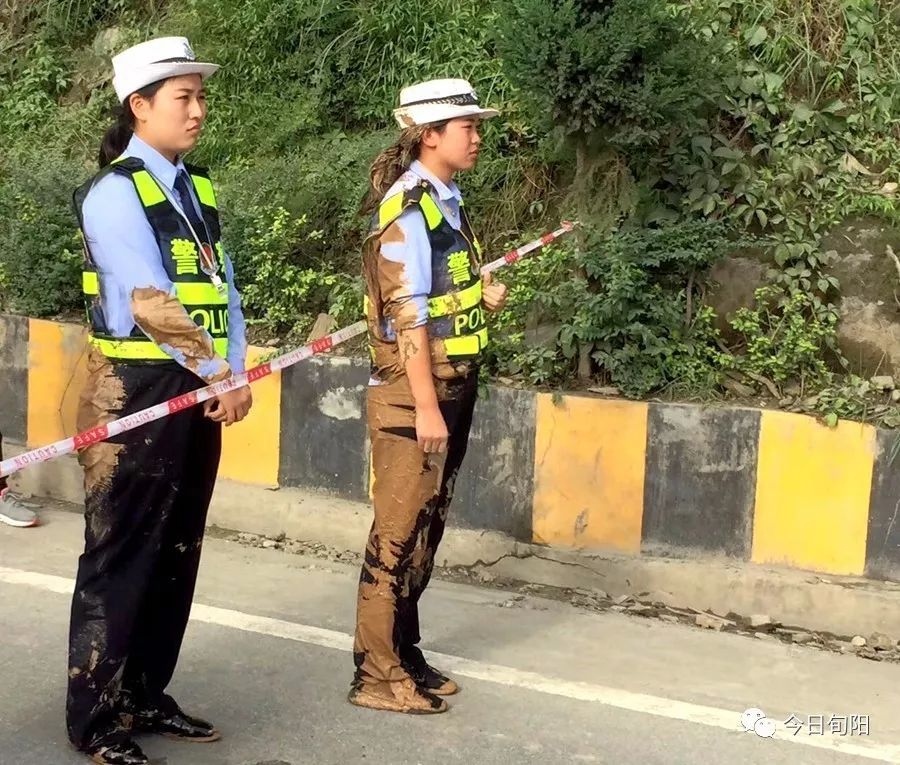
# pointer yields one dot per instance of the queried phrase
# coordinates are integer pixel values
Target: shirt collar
(155, 162)
(443, 190)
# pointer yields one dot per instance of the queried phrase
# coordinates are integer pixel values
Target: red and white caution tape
(513, 255)
(188, 400)
(177, 404)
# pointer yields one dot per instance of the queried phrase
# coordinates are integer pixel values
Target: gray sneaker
(14, 513)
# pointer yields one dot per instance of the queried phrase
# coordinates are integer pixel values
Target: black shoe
(167, 719)
(124, 752)
(426, 676)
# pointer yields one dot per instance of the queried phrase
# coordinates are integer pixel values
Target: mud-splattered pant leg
(459, 410)
(406, 492)
(146, 494)
(166, 607)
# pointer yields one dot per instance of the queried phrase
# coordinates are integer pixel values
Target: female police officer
(425, 309)
(165, 319)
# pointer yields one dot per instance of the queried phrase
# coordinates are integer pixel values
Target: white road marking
(642, 703)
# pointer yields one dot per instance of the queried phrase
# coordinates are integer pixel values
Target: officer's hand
(493, 295)
(231, 407)
(431, 430)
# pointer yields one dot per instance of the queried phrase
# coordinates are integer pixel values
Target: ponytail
(116, 138)
(393, 162)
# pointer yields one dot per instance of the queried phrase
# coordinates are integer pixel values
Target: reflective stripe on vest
(189, 293)
(138, 349)
(447, 305)
(393, 206)
(148, 189)
(432, 213)
(467, 345)
(205, 192)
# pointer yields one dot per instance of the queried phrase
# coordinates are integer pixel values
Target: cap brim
(487, 114)
(151, 73)
(424, 114)
(192, 67)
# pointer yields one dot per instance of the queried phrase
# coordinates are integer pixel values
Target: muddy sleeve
(404, 271)
(163, 319)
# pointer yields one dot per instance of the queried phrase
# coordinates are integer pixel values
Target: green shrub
(783, 338)
(285, 295)
(620, 72)
(324, 182)
(633, 296)
(41, 257)
(644, 318)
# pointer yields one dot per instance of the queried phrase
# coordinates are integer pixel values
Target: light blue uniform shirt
(415, 251)
(126, 254)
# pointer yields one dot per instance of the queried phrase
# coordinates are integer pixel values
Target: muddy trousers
(148, 492)
(411, 494)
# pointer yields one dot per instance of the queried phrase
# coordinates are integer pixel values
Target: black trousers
(148, 492)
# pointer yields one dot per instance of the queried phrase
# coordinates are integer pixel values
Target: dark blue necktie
(183, 188)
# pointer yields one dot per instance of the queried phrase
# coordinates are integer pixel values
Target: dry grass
(821, 23)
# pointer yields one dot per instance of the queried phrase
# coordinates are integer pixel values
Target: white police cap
(153, 61)
(438, 100)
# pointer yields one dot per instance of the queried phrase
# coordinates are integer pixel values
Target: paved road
(267, 658)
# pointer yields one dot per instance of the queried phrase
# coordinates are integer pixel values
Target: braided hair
(391, 163)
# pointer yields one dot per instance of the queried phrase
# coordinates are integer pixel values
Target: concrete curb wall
(572, 472)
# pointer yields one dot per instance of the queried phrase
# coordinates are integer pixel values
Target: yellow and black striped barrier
(571, 471)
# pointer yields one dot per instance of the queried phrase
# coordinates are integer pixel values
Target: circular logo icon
(765, 728)
(751, 717)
